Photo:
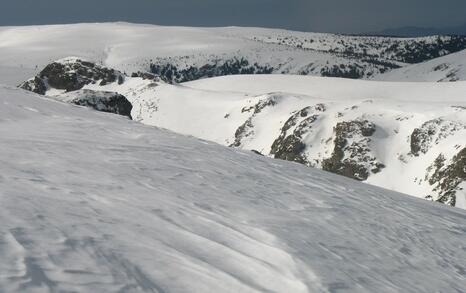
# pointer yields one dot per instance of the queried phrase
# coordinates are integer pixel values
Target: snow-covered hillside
(94, 202)
(183, 53)
(392, 135)
(408, 137)
(448, 68)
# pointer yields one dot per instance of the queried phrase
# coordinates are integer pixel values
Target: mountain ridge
(180, 54)
(418, 31)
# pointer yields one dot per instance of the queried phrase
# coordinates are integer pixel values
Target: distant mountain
(206, 52)
(415, 31)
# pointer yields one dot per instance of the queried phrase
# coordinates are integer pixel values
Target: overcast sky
(345, 16)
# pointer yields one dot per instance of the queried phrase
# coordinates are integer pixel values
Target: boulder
(110, 102)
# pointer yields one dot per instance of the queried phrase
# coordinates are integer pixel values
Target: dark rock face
(71, 75)
(418, 140)
(242, 132)
(109, 102)
(247, 128)
(447, 177)
(36, 85)
(353, 159)
(290, 146)
(432, 132)
(423, 136)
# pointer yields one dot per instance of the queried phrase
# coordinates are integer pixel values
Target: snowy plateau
(142, 158)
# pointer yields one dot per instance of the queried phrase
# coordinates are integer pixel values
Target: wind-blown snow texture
(94, 202)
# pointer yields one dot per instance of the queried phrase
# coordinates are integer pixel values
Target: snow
(461, 199)
(336, 88)
(447, 68)
(133, 47)
(214, 108)
(93, 202)
(14, 75)
(128, 47)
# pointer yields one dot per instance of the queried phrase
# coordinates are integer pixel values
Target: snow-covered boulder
(102, 101)
(65, 79)
(71, 74)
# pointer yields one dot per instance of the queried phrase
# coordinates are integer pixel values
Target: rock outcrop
(352, 154)
(447, 176)
(289, 145)
(71, 74)
(109, 102)
(431, 133)
(247, 128)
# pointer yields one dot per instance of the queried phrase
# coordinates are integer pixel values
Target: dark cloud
(345, 16)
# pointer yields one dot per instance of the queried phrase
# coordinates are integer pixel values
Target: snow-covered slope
(447, 68)
(94, 202)
(408, 137)
(184, 53)
(396, 135)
